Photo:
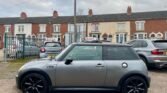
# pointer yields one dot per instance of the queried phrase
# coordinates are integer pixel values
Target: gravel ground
(8, 71)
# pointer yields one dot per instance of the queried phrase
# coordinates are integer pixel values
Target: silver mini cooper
(86, 66)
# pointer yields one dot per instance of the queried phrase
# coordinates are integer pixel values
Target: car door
(114, 58)
(86, 70)
(34, 49)
(27, 49)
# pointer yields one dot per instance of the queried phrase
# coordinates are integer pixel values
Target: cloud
(10, 8)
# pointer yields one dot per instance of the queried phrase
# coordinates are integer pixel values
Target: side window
(119, 53)
(85, 53)
(144, 44)
(136, 44)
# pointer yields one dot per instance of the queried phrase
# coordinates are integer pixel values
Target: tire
(34, 83)
(134, 84)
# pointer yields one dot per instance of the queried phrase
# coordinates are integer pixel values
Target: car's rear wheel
(34, 83)
(134, 84)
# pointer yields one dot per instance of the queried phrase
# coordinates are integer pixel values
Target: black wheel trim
(33, 84)
(135, 85)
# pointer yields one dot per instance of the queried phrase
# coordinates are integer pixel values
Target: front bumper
(17, 82)
(148, 81)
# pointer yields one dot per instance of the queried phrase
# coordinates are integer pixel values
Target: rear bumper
(159, 62)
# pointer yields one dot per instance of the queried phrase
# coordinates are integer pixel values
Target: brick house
(118, 28)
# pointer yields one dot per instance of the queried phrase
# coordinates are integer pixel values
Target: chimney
(55, 14)
(129, 10)
(90, 12)
(23, 15)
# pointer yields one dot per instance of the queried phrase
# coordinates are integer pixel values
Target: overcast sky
(12, 8)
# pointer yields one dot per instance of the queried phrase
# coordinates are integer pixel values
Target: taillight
(157, 52)
(42, 50)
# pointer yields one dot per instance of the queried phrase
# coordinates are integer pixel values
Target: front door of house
(121, 38)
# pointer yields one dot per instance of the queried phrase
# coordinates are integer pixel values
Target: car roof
(101, 44)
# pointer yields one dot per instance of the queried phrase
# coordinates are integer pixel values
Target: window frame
(7, 28)
(95, 27)
(56, 28)
(20, 28)
(140, 25)
(121, 27)
(42, 28)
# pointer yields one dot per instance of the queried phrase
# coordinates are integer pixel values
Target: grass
(9, 70)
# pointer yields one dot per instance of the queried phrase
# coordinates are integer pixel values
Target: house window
(95, 27)
(41, 36)
(70, 27)
(21, 28)
(140, 35)
(56, 28)
(42, 27)
(7, 28)
(121, 27)
(140, 25)
(121, 37)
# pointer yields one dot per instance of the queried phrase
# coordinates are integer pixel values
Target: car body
(15, 49)
(50, 49)
(87, 66)
(153, 52)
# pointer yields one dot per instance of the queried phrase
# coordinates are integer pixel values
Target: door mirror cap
(68, 61)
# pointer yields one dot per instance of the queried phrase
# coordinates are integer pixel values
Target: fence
(21, 47)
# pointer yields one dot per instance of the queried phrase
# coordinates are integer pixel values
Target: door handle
(99, 65)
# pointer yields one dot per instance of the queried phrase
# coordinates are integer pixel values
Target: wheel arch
(38, 71)
(147, 79)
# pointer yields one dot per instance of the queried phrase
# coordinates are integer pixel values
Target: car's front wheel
(34, 83)
(134, 84)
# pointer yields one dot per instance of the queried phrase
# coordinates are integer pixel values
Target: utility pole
(75, 21)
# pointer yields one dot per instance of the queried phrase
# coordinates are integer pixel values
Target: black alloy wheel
(134, 84)
(34, 83)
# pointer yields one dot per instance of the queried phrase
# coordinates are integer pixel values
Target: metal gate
(21, 47)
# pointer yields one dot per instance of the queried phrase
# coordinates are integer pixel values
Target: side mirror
(68, 61)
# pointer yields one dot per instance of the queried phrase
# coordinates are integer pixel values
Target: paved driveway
(8, 71)
(1, 54)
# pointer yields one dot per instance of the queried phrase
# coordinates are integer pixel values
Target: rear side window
(138, 44)
(119, 53)
(160, 44)
(52, 44)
